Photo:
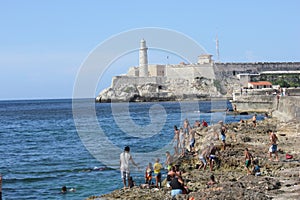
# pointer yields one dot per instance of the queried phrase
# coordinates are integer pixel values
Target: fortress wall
(126, 80)
(205, 70)
(236, 68)
(180, 73)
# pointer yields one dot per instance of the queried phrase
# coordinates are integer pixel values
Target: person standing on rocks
(176, 140)
(157, 167)
(202, 157)
(254, 120)
(213, 150)
(181, 141)
(169, 160)
(186, 127)
(273, 147)
(148, 174)
(192, 141)
(204, 123)
(125, 157)
(223, 137)
(248, 159)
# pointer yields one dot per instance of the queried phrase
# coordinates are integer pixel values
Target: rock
(279, 180)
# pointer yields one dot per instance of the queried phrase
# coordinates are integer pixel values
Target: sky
(44, 43)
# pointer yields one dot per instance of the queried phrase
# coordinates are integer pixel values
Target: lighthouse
(143, 59)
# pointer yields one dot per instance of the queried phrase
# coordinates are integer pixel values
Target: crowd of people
(207, 155)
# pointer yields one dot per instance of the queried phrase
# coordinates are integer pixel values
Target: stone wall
(126, 80)
(287, 108)
(233, 69)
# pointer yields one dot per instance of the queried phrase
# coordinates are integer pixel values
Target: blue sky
(43, 43)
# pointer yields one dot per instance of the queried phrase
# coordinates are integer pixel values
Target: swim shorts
(273, 148)
(247, 163)
(125, 175)
(203, 160)
(223, 137)
(192, 142)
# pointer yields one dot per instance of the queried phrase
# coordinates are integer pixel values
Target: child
(131, 182)
(148, 174)
(256, 168)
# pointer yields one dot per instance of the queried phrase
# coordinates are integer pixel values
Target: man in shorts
(248, 159)
(192, 141)
(203, 158)
(273, 147)
(124, 165)
(213, 151)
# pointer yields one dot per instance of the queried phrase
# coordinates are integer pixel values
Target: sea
(47, 144)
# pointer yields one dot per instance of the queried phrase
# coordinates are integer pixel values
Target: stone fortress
(202, 80)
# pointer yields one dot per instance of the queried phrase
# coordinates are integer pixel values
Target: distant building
(260, 85)
(205, 59)
(245, 78)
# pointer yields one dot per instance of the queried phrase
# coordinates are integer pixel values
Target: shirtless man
(248, 159)
(186, 126)
(273, 147)
(176, 140)
(223, 137)
(192, 140)
(254, 120)
(203, 158)
(169, 160)
(181, 141)
(212, 155)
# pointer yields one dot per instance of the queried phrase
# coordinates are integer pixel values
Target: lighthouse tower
(143, 59)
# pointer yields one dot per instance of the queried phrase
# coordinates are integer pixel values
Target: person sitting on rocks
(273, 147)
(176, 185)
(248, 159)
(148, 174)
(213, 157)
(256, 168)
(178, 171)
(212, 181)
(171, 174)
(131, 183)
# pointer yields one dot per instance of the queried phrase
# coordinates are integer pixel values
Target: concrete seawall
(257, 103)
(288, 108)
(285, 109)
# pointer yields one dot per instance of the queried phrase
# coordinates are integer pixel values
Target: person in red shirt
(204, 123)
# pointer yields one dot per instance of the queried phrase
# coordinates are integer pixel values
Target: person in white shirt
(124, 165)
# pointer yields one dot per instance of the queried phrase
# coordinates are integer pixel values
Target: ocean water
(44, 145)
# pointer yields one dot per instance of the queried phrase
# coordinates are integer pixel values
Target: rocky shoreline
(279, 180)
